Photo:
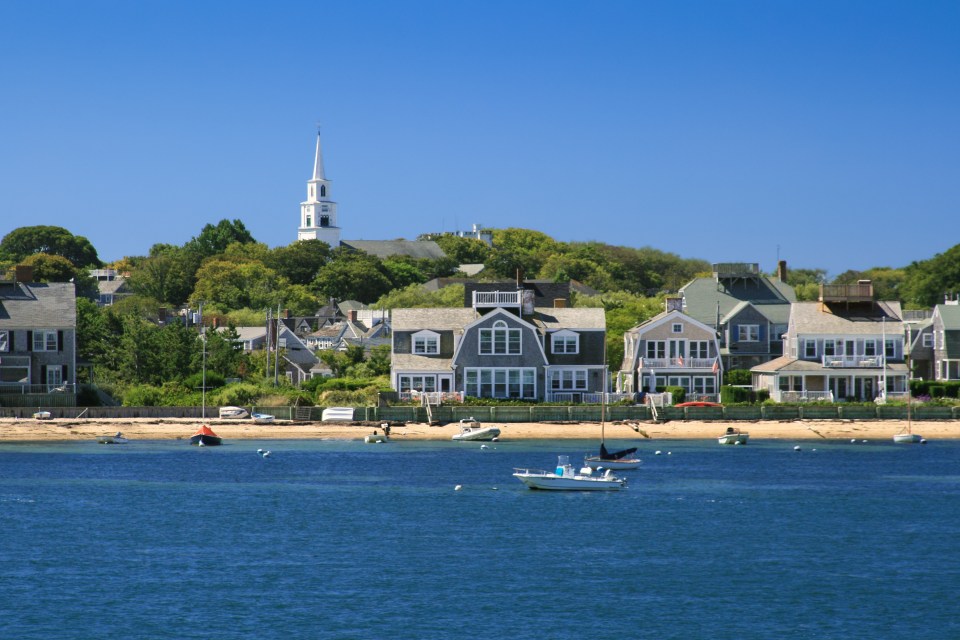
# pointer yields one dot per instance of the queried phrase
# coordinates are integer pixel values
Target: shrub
(679, 393)
(738, 376)
(195, 381)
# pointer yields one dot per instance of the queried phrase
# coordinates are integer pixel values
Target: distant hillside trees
(20, 243)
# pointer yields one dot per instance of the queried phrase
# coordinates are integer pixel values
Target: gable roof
(386, 248)
(38, 304)
(770, 296)
(872, 319)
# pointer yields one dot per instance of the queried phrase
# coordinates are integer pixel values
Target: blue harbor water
(333, 539)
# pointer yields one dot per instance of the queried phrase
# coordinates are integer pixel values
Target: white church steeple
(318, 213)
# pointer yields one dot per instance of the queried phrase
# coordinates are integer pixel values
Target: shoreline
(66, 430)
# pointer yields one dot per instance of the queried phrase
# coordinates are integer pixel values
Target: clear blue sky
(827, 133)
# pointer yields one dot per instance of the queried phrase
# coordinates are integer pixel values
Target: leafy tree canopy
(928, 280)
(214, 240)
(352, 275)
(415, 296)
(20, 243)
(299, 262)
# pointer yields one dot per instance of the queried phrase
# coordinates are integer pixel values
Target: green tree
(94, 337)
(520, 250)
(299, 262)
(352, 275)
(415, 296)
(56, 241)
(340, 362)
(926, 282)
(228, 285)
(623, 311)
(462, 250)
(167, 275)
(214, 240)
(51, 268)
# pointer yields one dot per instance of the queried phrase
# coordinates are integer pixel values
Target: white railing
(803, 396)
(676, 363)
(22, 388)
(430, 397)
(496, 298)
(837, 362)
(586, 397)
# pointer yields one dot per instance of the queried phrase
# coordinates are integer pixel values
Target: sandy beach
(172, 429)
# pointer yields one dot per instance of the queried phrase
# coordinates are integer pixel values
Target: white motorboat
(262, 418)
(471, 429)
(733, 436)
(233, 412)
(116, 438)
(42, 415)
(565, 479)
(376, 437)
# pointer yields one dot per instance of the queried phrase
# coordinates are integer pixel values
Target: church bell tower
(318, 213)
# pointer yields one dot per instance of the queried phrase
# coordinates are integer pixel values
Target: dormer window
(426, 343)
(565, 342)
(500, 340)
(678, 327)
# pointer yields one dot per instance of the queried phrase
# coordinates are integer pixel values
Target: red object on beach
(699, 403)
(204, 430)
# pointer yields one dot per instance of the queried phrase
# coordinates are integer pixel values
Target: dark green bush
(738, 376)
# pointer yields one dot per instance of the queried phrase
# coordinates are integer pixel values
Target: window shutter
(43, 374)
(60, 340)
(29, 340)
(64, 380)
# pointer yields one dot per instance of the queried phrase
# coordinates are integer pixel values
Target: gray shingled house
(38, 325)
(846, 346)
(502, 345)
(671, 349)
(946, 342)
(749, 311)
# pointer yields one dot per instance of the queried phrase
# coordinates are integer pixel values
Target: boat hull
(908, 438)
(546, 481)
(263, 418)
(112, 440)
(595, 462)
(376, 438)
(473, 435)
(737, 439)
(205, 440)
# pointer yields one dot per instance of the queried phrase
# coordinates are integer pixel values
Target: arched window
(323, 191)
(500, 340)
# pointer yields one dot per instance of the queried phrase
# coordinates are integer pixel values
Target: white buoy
(853, 441)
(669, 453)
(458, 487)
(483, 446)
(260, 452)
(796, 448)
(864, 441)
(266, 454)
(656, 453)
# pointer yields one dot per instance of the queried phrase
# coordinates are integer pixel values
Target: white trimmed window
(869, 347)
(500, 340)
(809, 348)
(890, 348)
(501, 383)
(427, 383)
(565, 342)
(748, 333)
(678, 327)
(829, 347)
(656, 349)
(928, 340)
(699, 349)
(44, 340)
(569, 380)
(4, 341)
(426, 343)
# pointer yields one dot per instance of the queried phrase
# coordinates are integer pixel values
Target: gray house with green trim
(501, 346)
(946, 340)
(749, 311)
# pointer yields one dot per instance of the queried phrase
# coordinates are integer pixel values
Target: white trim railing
(21, 388)
(803, 396)
(858, 362)
(496, 298)
(645, 364)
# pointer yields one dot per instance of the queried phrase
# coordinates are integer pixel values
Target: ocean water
(333, 539)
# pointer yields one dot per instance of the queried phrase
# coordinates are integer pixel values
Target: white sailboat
(617, 460)
(907, 436)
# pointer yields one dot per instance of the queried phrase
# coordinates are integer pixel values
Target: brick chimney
(23, 273)
(782, 271)
(352, 315)
(559, 303)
